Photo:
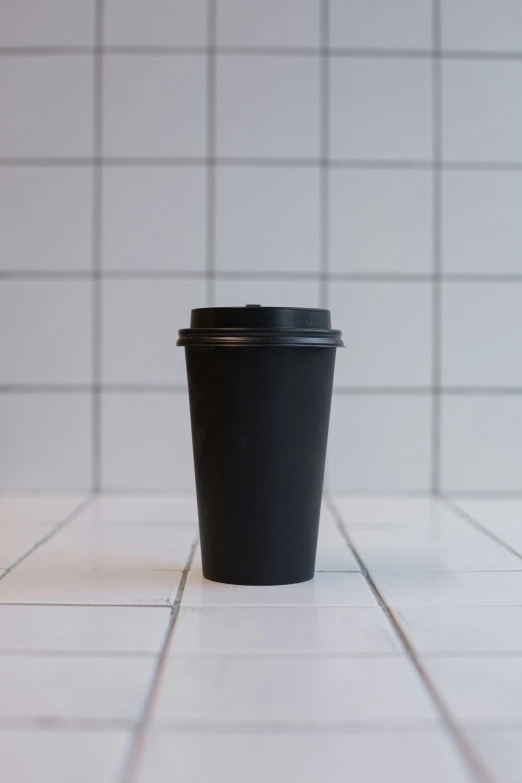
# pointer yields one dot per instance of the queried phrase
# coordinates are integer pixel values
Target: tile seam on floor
(282, 605)
(76, 653)
(466, 750)
(55, 723)
(131, 763)
(221, 727)
(476, 525)
(285, 726)
(278, 653)
(166, 605)
(56, 529)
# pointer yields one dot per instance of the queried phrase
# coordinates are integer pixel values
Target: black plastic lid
(254, 325)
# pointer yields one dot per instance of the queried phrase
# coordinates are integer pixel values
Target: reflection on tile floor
(291, 684)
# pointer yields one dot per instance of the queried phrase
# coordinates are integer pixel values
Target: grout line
(297, 726)
(130, 767)
(360, 163)
(153, 523)
(324, 182)
(76, 653)
(465, 748)
(324, 135)
(211, 104)
(97, 211)
(332, 653)
(275, 654)
(56, 529)
(232, 727)
(382, 391)
(100, 605)
(92, 388)
(437, 252)
(355, 277)
(479, 526)
(505, 494)
(54, 722)
(510, 55)
(273, 606)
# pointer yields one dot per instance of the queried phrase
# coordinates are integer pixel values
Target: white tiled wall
(363, 155)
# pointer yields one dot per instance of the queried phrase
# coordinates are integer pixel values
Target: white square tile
(487, 588)
(463, 628)
(379, 443)
(62, 756)
(444, 535)
(154, 106)
(45, 219)
(74, 587)
(268, 107)
(116, 547)
(501, 751)
(220, 629)
(53, 23)
(45, 331)
(329, 534)
(325, 589)
(153, 218)
(381, 109)
(46, 442)
(481, 444)
(480, 328)
(62, 686)
(481, 218)
(480, 556)
(143, 349)
(480, 113)
(481, 25)
(268, 23)
(142, 509)
(146, 442)
(58, 89)
(155, 22)
(386, 332)
(335, 558)
(403, 24)
(246, 688)
(411, 516)
(17, 510)
(485, 688)
(270, 293)
(267, 219)
(380, 221)
(303, 758)
(82, 629)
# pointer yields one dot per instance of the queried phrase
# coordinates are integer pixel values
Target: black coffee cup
(260, 388)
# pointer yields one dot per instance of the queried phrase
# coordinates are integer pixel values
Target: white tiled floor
(326, 679)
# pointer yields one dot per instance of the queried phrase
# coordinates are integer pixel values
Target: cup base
(239, 581)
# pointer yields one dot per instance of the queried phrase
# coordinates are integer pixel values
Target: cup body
(259, 418)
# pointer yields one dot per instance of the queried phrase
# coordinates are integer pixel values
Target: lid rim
(327, 338)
